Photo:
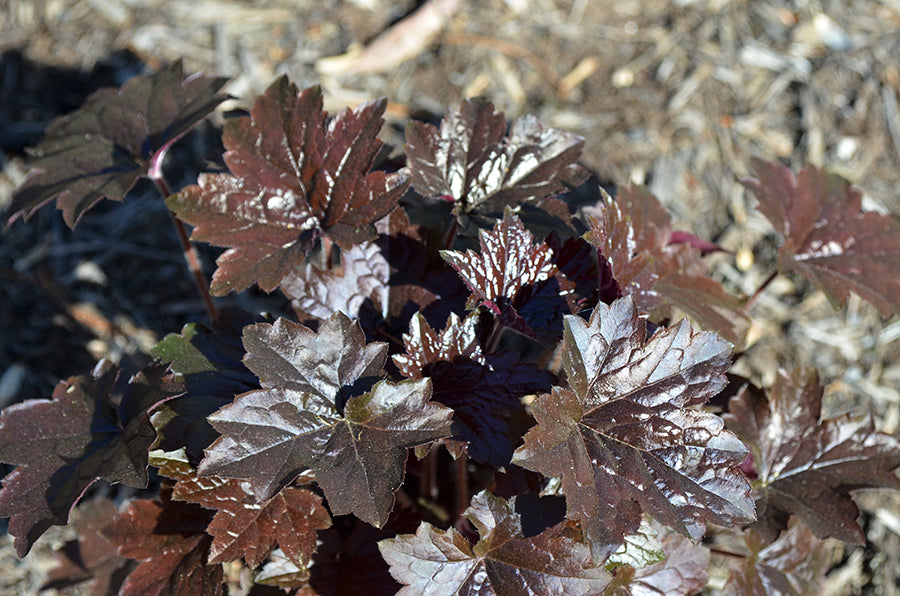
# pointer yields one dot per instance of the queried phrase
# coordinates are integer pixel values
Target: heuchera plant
(526, 346)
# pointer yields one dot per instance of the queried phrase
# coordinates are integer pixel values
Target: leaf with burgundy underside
(652, 264)
(101, 149)
(172, 547)
(793, 565)
(514, 278)
(62, 446)
(479, 388)
(623, 438)
(318, 409)
(503, 561)
(244, 528)
(209, 362)
(472, 161)
(364, 275)
(809, 467)
(294, 175)
(827, 238)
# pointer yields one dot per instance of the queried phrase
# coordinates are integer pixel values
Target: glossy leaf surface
(319, 409)
(515, 278)
(806, 466)
(101, 149)
(634, 233)
(294, 175)
(502, 562)
(63, 445)
(471, 160)
(623, 438)
(827, 238)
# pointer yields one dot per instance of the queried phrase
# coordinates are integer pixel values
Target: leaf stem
(759, 291)
(190, 254)
(462, 484)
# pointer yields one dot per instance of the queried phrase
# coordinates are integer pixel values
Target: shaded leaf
(514, 278)
(91, 562)
(245, 528)
(479, 388)
(209, 363)
(364, 275)
(793, 565)
(657, 267)
(472, 161)
(62, 446)
(172, 547)
(117, 136)
(827, 238)
(809, 467)
(502, 562)
(316, 411)
(623, 437)
(294, 176)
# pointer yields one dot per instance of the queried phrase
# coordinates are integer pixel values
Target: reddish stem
(759, 291)
(462, 484)
(190, 254)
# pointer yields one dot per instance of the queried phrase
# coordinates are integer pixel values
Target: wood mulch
(675, 95)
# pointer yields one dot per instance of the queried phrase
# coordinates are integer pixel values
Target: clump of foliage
(485, 386)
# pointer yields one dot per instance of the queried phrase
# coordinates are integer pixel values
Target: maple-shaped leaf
(806, 466)
(172, 547)
(654, 265)
(502, 562)
(472, 161)
(245, 528)
(623, 438)
(319, 409)
(793, 565)
(364, 275)
(479, 388)
(209, 363)
(90, 562)
(62, 446)
(514, 278)
(119, 135)
(294, 175)
(827, 238)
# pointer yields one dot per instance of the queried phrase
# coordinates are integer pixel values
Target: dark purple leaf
(656, 267)
(172, 547)
(294, 175)
(100, 150)
(502, 562)
(62, 446)
(514, 278)
(299, 419)
(479, 388)
(809, 467)
(209, 362)
(472, 161)
(793, 565)
(624, 439)
(827, 238)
